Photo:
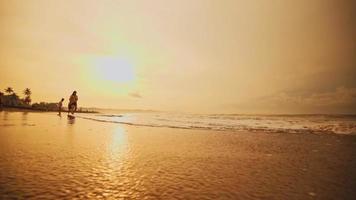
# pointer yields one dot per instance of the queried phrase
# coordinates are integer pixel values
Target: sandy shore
(50, 157)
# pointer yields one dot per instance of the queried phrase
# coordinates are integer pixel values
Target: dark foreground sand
(43, 156)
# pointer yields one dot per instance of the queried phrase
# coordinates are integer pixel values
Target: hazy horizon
(200, 56)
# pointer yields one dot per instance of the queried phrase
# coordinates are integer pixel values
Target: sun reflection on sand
(116, 175)
(119, 146)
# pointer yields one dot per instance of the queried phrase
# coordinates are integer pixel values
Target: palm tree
(27, 100)
(9, 90)
(27, 92)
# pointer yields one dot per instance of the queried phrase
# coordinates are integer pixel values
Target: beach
(44, 156)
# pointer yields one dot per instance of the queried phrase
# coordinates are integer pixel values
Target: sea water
(338, 124)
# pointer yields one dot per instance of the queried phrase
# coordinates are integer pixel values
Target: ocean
(317, 123)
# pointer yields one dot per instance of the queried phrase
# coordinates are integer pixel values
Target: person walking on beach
(60, 105)
(72, 105)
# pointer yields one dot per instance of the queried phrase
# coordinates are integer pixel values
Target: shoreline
(23, 109)
(178, 127)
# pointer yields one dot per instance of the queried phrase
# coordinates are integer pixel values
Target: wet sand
(43, 156)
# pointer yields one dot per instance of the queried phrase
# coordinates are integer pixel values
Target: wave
(111, 115)
(336, 124)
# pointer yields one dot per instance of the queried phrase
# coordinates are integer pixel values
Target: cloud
(135, 95)
(340, 100)
(341, 96)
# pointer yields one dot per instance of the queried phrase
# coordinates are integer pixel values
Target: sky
(201, 56)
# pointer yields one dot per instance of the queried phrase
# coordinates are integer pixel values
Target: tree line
(12, 100)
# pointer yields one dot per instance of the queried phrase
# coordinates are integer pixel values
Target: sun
(114, 69)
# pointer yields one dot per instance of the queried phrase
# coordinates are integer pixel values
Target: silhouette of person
(72, 105)
(60, 105)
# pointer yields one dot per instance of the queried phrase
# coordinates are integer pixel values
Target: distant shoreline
(30, 109)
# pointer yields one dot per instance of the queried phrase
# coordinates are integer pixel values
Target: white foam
(338, 124)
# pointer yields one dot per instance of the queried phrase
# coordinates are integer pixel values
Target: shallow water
(43, 156)
(336, 124)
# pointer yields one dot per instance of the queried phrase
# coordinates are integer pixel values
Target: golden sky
(227, 56)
